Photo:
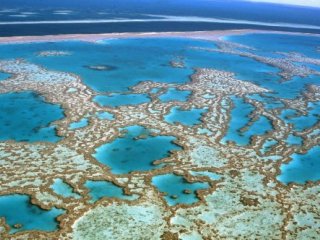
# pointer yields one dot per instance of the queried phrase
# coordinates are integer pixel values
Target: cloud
(305, 3)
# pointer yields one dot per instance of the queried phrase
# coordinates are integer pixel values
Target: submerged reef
(229, 153)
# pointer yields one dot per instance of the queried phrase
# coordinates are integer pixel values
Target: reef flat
(208, 135)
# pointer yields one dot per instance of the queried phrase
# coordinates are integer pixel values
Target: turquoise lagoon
(185, 117)
(117, 100)
(62, 188)
(105, 116)
(137, 60)
(302, 167)
(240, 118)
(174, 94)
(177, 190)
(135, 151)
(80, 124)
(25, 116)
(17, 209)
(101, 189)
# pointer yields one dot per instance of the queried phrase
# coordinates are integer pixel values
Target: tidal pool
(62, 188)
(4, 76)
(174, 94)
(135, 151)
(80, 124)
(117, 100)
(302, 167)
(25, 116)
(239, 131)
(185, 117)
(21, 215)
(105, 116)
(101, 189)
(177, 190)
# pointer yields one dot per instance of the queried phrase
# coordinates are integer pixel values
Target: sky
(307, 3)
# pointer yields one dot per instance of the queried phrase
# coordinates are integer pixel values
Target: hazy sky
(310, 3)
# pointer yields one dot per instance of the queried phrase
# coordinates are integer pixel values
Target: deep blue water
(139, 9)
(174, 187)
(101, 189)
(17, 209)
(25, 116)
(131, 153)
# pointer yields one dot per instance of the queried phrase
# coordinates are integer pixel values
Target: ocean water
(174, 94)
(240, 118)
(302, 167)
(25, 116)
(101, 189)
(294, 140)
(272, 43)
(4, 76)
(177, 190)
(80, 124)
(62, 188)
(185, 117)
(136, 60)
(117, 100)
(17, 209)
(135, 151)
(267, 145)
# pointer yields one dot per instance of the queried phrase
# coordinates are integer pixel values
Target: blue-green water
(135, 151)
(272, 43)
(211, 175)
(302, 167)
(240, 117)
(25, 116)
(185, 117)
(101, 189)
(175, 186)
(105, 116)
(174, 94)
(17, 209)
(117, 100)
(267, 145)
(4, 76)
(302, 122)
(80, 124)
(63, 189)
(294, 140)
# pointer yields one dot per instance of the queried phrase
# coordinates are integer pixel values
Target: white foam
(166, 18)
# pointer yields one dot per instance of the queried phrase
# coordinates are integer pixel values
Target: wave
(166, 18)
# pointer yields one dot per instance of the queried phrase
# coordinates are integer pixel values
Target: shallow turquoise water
(211, 175)
(105, 116)
(4, 76)
(302, 122)
(138, 60)
(174, 186)
(240, 117)
(17, 209)
(174, 94)
(63, 189)
(271, 43)
(185, 117)
(129, 153)
(268, 144)
(25, 116)
(302, 167)
(80, 124)
(294, 140)
(267, 101)
(101, 189)
(117, 100)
